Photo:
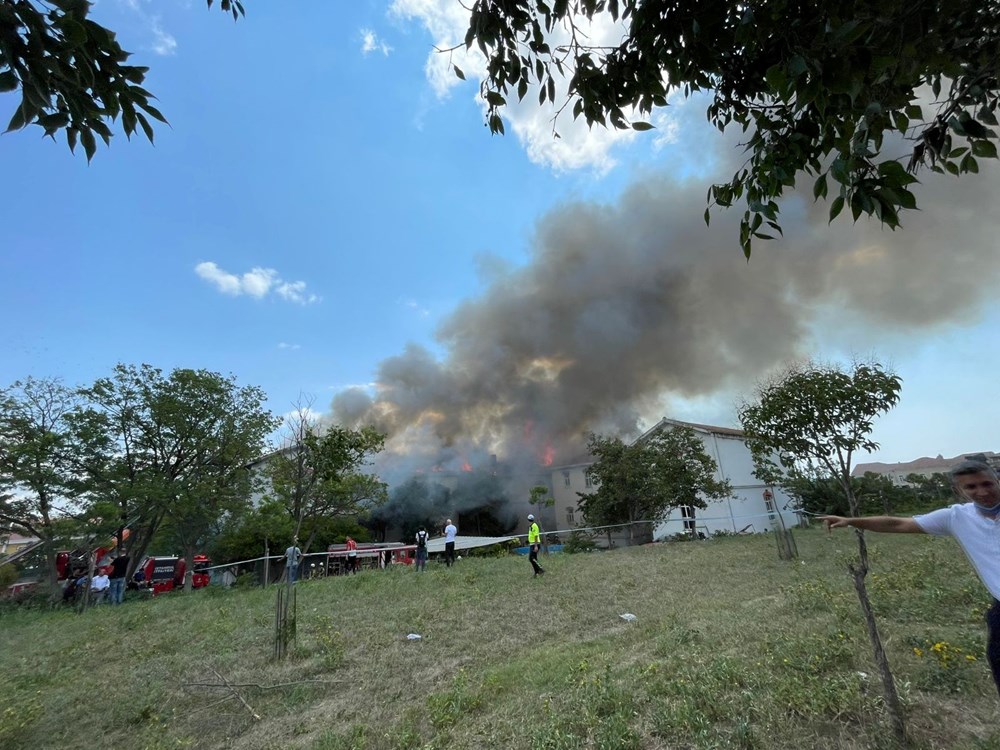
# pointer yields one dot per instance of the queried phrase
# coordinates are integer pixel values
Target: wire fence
(268, 568)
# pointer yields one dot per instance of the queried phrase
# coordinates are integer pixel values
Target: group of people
(107, 585)
(293, 558)
(293, 555)
(422, 537)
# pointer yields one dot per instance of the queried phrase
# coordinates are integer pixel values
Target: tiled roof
(918, 465)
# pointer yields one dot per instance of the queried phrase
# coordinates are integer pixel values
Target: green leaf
(836, 207)
(8, 81)
(74, 32)
(984, 149)
(819, 189)
(459, 73)
(642, 126)
(89, 142)
(18, 121)
(969, 164)
(146, 127)
(776, 79)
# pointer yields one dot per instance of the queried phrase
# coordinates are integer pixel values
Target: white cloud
(412, 304)
(290, 347)
(371, 43)
(577, 147)
(164, 43)
(295, 291)
(256, 283)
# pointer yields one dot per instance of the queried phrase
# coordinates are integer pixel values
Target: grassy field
(731, 649)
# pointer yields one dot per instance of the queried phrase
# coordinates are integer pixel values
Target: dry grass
(732, 648)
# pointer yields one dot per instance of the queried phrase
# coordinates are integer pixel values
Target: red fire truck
(161, 574)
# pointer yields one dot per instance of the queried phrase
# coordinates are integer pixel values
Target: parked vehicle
(161, 574)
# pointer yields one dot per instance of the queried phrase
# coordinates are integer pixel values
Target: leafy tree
(171, 447)
(38, 482)
(934, 490)
(816, 418)
(218, 429)
(72, 74)
(318, 472)
(876, 493)
(824, 90)
(645, 480)
(245, 537)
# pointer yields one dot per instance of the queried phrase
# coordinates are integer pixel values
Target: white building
(754, 507)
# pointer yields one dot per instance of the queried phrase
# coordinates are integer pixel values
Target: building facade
(754, 507)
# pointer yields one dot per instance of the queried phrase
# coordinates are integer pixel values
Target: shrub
(8, 575)
(579, 541)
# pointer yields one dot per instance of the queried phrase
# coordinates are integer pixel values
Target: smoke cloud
(627, 304)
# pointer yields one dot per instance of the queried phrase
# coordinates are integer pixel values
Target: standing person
(534, 542)
(100, 585)
(352, 555)
(421, 549)
(450, 532)
(119, 567)
(293, 558)
(975, 525)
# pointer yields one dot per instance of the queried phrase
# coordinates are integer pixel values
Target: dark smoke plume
(628, 304)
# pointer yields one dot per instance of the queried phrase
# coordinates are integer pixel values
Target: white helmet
(531, 517)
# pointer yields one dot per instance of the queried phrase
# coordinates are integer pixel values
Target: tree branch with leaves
(825, 91)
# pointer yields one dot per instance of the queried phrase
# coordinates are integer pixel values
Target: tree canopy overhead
(72, 74)
(823, 90)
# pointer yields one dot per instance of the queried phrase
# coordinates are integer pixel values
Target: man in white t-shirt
(450, 532)
(975, 525)
(100, 585)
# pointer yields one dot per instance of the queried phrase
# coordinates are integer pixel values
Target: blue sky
(327, 194)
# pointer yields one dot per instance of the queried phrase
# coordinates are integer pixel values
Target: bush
(500, 549)
(246, 580)
(579, 541)
(8, 575)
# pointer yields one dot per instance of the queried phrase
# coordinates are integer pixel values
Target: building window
(566, 478)
(687, 513)
(587, 481)
(570, 517)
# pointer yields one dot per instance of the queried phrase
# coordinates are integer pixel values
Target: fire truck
(161, 574)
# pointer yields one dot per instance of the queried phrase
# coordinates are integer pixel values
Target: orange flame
(548, 456)
(466, 466)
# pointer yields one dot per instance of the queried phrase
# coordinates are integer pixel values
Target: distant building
(755, 507)
(924, 467)
(11, 542)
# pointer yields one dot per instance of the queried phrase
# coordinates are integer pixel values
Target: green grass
(732, 649)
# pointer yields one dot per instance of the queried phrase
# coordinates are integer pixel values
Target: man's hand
(881, 524)
(835, 522)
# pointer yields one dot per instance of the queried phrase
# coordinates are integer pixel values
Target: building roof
(705, 428)
(918, 465)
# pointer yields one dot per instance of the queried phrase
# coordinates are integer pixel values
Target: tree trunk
(889, 693)
(189, 568)
(52, 570)
(91, 565)
(858, 573)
